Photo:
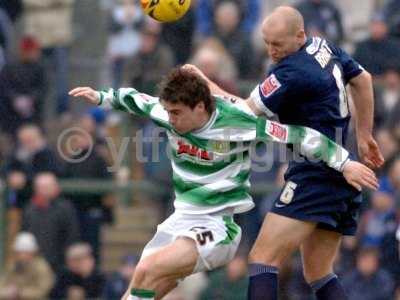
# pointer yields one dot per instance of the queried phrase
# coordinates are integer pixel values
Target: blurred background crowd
(74, 229)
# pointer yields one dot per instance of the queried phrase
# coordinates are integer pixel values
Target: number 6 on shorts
(288, 192)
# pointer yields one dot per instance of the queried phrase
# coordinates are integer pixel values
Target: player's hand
(360, 176)
(369, 152)
(92, 96)
(195, 70)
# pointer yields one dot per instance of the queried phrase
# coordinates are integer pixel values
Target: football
(165, 10)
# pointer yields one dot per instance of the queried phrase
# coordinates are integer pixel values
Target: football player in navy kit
(307, 86)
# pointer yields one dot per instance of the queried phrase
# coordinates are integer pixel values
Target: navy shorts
(322, 196)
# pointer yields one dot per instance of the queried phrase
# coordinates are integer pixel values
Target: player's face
(182, 118)
(280, 42)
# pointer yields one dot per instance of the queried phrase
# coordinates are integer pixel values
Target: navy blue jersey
(308, 88)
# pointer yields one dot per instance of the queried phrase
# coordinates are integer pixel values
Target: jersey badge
(270, 85)
(220, 146)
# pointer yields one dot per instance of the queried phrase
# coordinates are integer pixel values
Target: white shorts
(217, 237)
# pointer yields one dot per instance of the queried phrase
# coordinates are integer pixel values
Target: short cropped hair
(188, 88)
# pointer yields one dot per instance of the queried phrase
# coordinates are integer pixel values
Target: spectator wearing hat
(118, 282)
(80, 279)
(23, 88)
(29, 276)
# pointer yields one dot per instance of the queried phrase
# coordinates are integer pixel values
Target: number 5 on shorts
(202, 238)
(288, 192)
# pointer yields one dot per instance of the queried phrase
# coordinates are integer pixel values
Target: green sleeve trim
(101, 98)
(142, 293)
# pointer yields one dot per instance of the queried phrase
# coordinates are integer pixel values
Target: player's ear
(201, 106)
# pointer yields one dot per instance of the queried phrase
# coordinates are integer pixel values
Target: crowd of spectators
(54, 237)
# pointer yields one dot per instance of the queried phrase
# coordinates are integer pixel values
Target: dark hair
(183, 86)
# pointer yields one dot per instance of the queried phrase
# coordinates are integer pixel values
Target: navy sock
(263, 282)
(328, 288)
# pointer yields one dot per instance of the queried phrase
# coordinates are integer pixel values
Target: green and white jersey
(211, 166)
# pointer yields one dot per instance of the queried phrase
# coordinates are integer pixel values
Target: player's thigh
(318, 253)
(279, 237)
(173, 261)
(165, 288)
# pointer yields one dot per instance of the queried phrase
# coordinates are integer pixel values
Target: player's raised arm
(217, 90)
(314, 145)
(124, 99)
(89, 94)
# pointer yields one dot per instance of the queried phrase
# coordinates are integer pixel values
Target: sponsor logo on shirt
(220, 146)
(277, 131)
(270, 85)
(324, 55)
(193, 151)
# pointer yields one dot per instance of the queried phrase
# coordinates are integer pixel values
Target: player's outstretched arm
(124, 99)
(214, 88)
(318, 147)
(89, 94)
(359, 175)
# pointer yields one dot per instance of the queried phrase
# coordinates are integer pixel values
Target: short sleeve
(276, 90)
(351, 68)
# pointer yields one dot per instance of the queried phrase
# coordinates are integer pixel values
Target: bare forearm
(217, 90)
(363, 98)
